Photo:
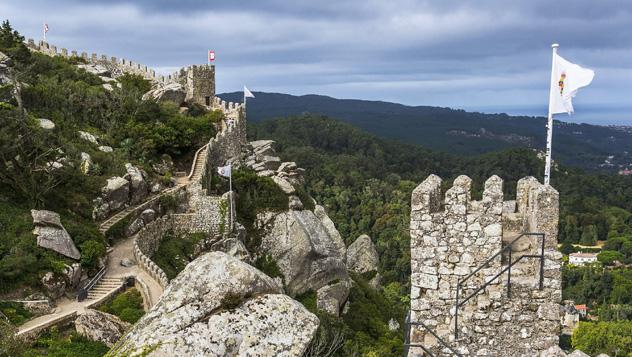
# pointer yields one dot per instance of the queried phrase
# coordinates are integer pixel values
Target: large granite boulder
(114, 196)
(52, 235)
(220, 306)
(329, 225)
(307, 254)
(54, 285)
(101, 326)
(362, 258)
(332, 298)
(96, 69)
(138, 184)
(173, 92)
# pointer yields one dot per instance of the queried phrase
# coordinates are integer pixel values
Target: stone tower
(452, 237)
(199, 82)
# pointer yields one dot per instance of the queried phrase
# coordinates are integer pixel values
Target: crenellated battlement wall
(452, 235)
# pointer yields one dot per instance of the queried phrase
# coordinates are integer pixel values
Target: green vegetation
(175, 252)
(117, 231)
(363, 329)
(128, 306)
(611, 338)
(15, 312)
(595, 286)
(57, 344)
(56, 89)
(231, 301)
(269, 266)
(254, 195)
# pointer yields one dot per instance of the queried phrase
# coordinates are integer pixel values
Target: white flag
(224, 171)
(566, 80)
(247, 93)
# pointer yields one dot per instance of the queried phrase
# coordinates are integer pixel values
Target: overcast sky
(487, 55)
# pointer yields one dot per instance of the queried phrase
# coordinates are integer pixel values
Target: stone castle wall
(198, 80)
(452, 236)
(228, 142)
(149, 238)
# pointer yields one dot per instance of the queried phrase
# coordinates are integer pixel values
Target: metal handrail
(460, 282)
(407, 343)
(83, 292)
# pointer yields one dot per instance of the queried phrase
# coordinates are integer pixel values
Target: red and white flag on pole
(211, 56)
(45, 27)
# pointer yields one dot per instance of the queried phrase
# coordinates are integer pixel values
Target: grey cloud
(484, 53)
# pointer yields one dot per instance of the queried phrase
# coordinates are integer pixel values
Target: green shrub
(167, 203)
(128, 306)
(308, 299)
(73, 345)
(613, 338)
(175, 252)
(134, 82)
(269, 266)
(15, 312)
(117, 231)
(91, 251)
(231, 301)
(306, 199)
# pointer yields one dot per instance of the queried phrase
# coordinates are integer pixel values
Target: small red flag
(211, 56)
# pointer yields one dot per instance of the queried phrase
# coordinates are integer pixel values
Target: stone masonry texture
(451, 236)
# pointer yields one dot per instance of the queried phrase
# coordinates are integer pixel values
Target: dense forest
(456, 131)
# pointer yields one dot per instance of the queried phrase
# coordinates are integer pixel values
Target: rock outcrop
(220, 306)
(114, 196)
(101, 326)
(52, 235)
(138, 184)
(173, 92)
(88, 137)
(308, 256)
(332, 298)
(362, 258)
(120, 192)
(46, 124)
(54, 285)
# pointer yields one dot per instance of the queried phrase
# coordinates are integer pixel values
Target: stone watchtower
(199, 82)
(474, 292)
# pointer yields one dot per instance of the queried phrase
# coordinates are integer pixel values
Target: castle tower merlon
(522, 192)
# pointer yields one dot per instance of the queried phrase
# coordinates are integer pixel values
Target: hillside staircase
(508, 262)
(104, 287)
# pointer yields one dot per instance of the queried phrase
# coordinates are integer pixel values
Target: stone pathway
(116, 274)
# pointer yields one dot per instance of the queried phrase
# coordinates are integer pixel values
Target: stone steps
(104, 287)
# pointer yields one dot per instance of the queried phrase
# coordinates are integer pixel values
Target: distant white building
(582, 258)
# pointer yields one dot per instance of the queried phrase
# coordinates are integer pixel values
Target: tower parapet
(453, 236)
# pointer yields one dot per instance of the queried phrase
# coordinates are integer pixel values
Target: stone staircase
(198, 166)
(104, 287)
(103, 227)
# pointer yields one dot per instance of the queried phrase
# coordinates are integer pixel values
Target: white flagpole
(44, 30)
(549, 125)
(230, 197)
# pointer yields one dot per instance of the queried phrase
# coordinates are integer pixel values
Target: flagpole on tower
(549, 125)
(231, 197)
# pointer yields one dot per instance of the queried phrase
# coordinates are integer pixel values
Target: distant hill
(456, 131)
